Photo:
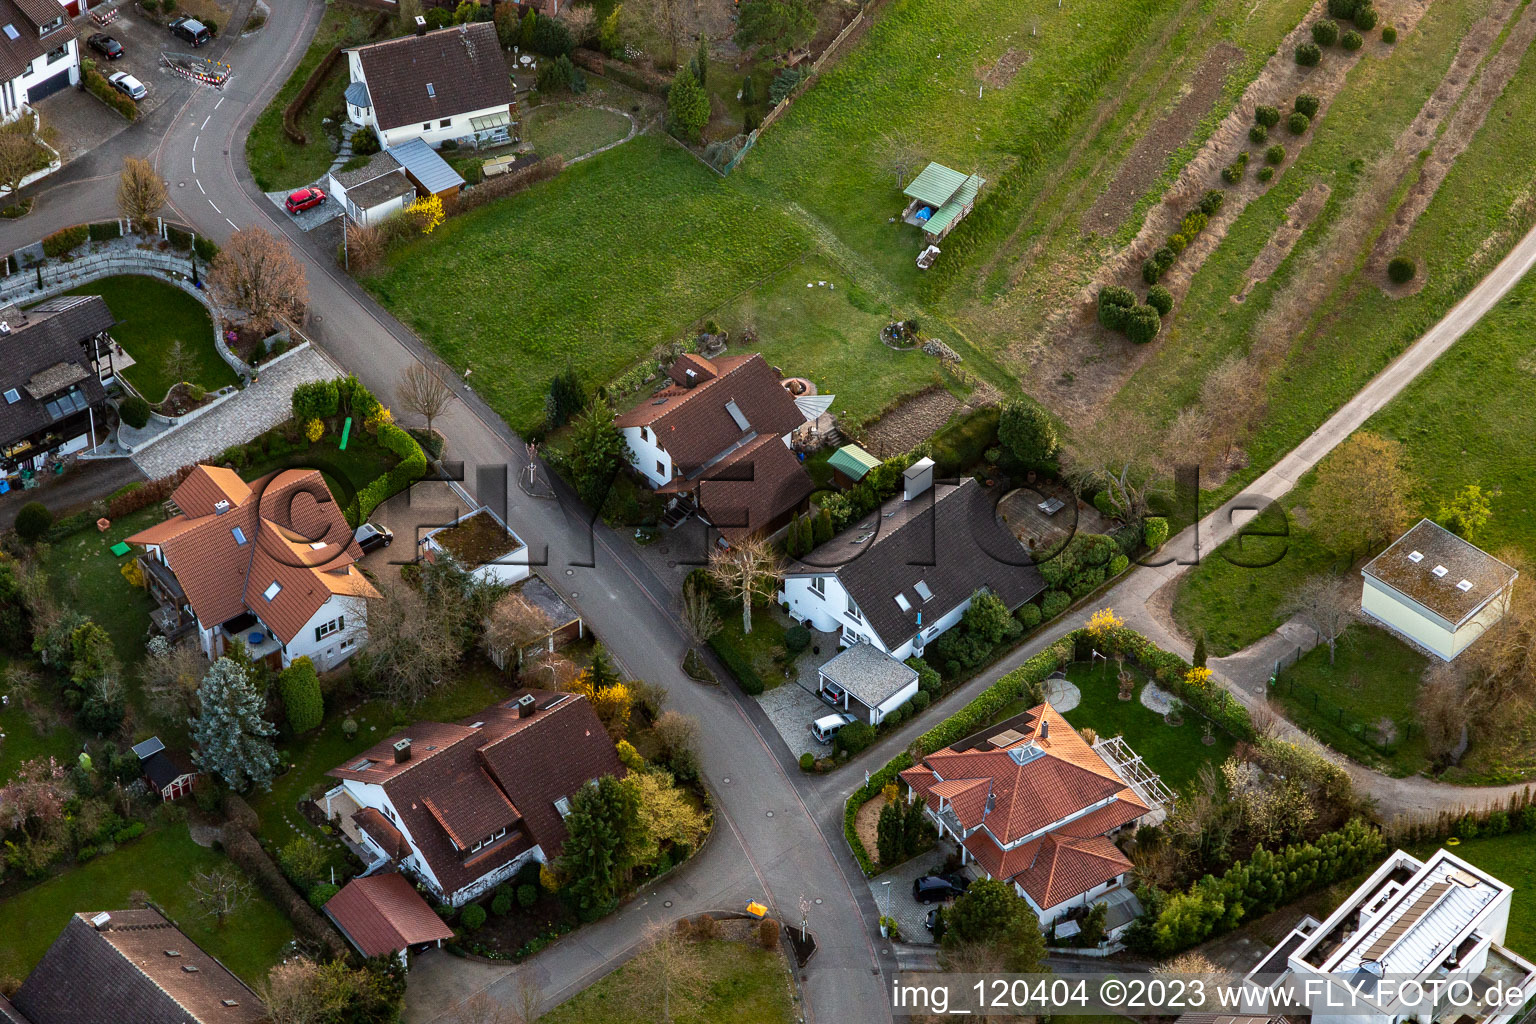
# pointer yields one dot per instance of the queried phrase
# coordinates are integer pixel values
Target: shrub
(364, 142)
(920, 701)
(1257, 134)
(105, 231)
(1213, 198)
(321, 894)
(33, 521)
(317, 399)
(768, 933)
(128, 833)
(796, 639)
(1265, 173)
(299, 686)
(501, 903)
(1344, 8)
(1232, 174)
(1308, 55)
(1142, 324)
(1366, 18)
(807, 761)
(1160, 299)
(1274, 155)
(1325, 32)
(1029, 615)
(854, 737)
(1266, 116)
(1115, 303)
(527, 895)
(1053, 604)
(1388, 34)
(1306, 103)
(472, 916)
(1401, 270)
(61, 242)
(1298, 123)
(1118, 565)
(134, 411)
(1352, 41)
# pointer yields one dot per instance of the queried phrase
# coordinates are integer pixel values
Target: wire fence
(1324, 712)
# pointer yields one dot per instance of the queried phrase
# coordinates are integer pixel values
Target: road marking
(219, 104)
(201, 189)
(194, 165)
(194, 142)
(205, 122)
(230, 222)
(216, 208)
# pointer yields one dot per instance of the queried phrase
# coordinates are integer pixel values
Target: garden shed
(941, 197)
(850, 464)
(430, 173)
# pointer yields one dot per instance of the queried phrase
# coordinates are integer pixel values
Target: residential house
(1030, 802)
(941, 198)
(718, 440)
(1416, 922)
(373, 192)
(169, 773)
(460, 807)
(129, 965)
(270, 562)
(1435, 589)
(384, 915)
(39, 53)
(52, 401)
(906, 572)
(447, 85)
(866, 682)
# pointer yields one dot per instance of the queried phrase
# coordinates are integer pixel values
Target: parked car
(825, 728)
(105, 45)
(934, 889)
(190, 29)
(935, 922)
(368, 536)
(129, 86)
(305, 198)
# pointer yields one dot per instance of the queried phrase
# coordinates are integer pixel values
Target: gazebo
(940, 198)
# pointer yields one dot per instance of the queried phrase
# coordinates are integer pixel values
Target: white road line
(205, 122)
(232, 224)
(219, 104)
(194, 165)
(216, 208)
(201, 189)
(194, 142)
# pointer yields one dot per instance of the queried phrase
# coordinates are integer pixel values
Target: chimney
(220, 507)
(1045, 728)
(526, 706)
(5, 328)
(421, 25)
(402, 750)
(101, 920)
(917, 479)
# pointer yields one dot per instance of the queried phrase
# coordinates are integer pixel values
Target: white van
(825, 728)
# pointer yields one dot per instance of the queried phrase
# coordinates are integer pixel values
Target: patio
(1048, 532)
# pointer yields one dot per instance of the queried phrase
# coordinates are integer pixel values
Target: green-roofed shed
(941, 197)
(850, 464)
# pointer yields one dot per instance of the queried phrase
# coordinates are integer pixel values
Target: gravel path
(261, 406)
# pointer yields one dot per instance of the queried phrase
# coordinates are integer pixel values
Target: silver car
(129, 86)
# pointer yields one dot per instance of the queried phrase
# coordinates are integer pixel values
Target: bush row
(739, 665)
(97, 85)
(1189, 228)
(65, 240)
(242, 848)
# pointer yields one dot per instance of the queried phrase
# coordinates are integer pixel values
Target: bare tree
(1501, 664)
(1325, 606)
(365, 246)
(178, 362)
(670, 968)
(18, 158)
(413, 641)
(528, 997)
(581, 21)
(700, 620)
(515, 622)
(1230, 396)
(671, 20)
(1442, 709)
(171, 679)
(422, 392)
(1189, 438)
(259, 274)
(901, 153)
(140, 192)
(1119, 455)
(480, 1008)
(292, 993)
(220, 892)
(746, 570)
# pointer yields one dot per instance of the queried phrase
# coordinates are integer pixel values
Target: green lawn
(742, 984)
(160, 864)
(570, 129)
(87, 577)
(1363, 704)
(345, 472)
(151, 317)
(24, 741)
(277, 162)
(1508, 858)
(1174, 752)
(592, 269)
(762, 647)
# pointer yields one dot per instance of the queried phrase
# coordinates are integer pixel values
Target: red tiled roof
(747, 492)
(1068, 867)
(383, 914)
(966, 797)
(294, 536)
(382, 831)
(1001, 863)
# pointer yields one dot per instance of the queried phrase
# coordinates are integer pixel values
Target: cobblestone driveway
(261, 406)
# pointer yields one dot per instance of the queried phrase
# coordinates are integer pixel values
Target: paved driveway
(305, 220)
(892, 892)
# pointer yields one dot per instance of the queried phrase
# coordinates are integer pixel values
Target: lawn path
(857, 267)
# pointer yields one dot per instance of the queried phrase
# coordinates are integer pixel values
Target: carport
(867, 683)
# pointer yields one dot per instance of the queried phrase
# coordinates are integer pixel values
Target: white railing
(1144, 782)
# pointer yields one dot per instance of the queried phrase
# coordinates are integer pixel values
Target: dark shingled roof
(163, 768)
(493, 770)
(123, 973)
(747, 491)
(27, 16)
(1441, 595)
(462, 64)
(39, 340)
(948, 538)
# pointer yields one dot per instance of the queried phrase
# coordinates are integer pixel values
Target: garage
(48, 86)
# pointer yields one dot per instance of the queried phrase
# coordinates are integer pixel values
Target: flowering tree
(427, 212)
(232, 738)
(1104, 622)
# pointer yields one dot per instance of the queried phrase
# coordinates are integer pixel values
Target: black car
(105, 45)
(934, 889)
(190, 29)
(370, 537)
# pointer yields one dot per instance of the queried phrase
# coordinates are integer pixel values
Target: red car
(304, 199)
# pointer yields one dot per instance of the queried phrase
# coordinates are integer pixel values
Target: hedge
(300, 688)
(97, 85)
(510, 183)
(61, 242)
(242, 848)
(411, 467)
(740, 667)
(104, 231)
(628, 74)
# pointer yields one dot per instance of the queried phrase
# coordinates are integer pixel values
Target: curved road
(779, 833)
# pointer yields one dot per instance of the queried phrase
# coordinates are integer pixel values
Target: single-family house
(1030, 802)
(866, 682)
(111, 967)
(270, 563)
(170, 774)
(906, 572)
(447, 85)
(374, 191)
(39, 53)
(940, 198)
(384, 915)
(1430, 926)
(1435, 589)
(718, 440)
(51, 395)
(461, 806)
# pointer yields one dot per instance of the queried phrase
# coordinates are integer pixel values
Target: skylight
(11, 33)
(1415, 556)
(903, 603)
(239, 534)
(431, 91)
(1464, 586)
(12, 396)
(921, 586)
(563, 806)
(1439, 571)
(316, 545)
(272, 591)
(361, 766)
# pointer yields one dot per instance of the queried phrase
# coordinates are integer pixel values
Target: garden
(569, 130)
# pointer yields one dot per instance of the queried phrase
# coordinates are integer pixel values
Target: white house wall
(336, 648)
(436, 132)
(829, 613)
(1387, 607)
(369, 794)
(495, 877)
(41, 69)
(1476, 626)
(645, 454)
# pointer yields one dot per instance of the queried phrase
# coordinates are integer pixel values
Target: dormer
(56, 23)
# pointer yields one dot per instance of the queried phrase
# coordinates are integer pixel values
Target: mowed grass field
(152, 316)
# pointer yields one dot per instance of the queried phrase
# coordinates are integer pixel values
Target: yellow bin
(756, 909)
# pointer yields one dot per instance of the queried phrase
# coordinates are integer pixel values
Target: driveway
(80, 122)
(793, 705)
(305, 220)
(143, 42)
(892, 893)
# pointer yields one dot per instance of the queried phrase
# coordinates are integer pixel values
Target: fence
(1323, 712)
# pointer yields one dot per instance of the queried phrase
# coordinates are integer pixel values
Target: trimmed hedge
(299, 685)
(411, 467)
(1308, 55)
(1325, 32)
(97, 85)
(61, 242)
(104, 231)
(134, 411)
(242, 848)
(740, 667)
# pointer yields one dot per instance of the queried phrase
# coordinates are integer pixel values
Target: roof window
(923, 592)
(11, 33)
(431, 91)
(189, 968)
(273, 590)
(239, 535)
(563, 805)
(12, 396)
(1464, 586)
(736, 414)
(1439, 571)
(173, 952)
(316, 545)
(1415, 556)
(903, 603)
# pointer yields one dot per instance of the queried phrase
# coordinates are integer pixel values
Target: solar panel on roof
(1409, 918)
